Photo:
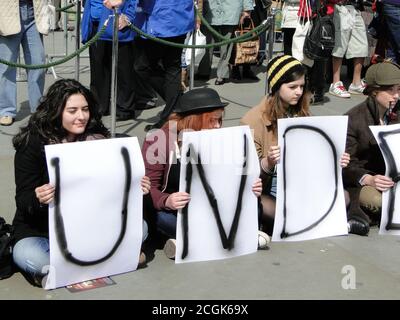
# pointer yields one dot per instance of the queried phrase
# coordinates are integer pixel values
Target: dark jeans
(100, 76)
(391, 14)
(316, 77)
(166, 223)
(160, 66)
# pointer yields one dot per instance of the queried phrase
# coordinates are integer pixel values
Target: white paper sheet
(222, 154)
(92, 185)
(390, 218)
(315, 206)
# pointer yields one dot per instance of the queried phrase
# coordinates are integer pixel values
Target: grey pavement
(313, 269)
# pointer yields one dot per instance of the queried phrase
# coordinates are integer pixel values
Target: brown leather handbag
(246, 52)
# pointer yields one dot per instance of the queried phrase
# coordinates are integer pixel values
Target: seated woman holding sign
(365, 178)
(286, 80)
(66, 114)
(198, 109)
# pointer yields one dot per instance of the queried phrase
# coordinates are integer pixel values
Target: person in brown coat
(365, 178)
(288, 98)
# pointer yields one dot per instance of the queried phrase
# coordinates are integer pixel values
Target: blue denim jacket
(124, 35)
(165, 18)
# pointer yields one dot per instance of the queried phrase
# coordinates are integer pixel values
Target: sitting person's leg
(371, 199)
(32, 255)
(166, 223)
(371, 203)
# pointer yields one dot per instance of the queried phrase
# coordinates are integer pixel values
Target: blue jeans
(32, 44)
(391, 14)
(31, 255)
(166, 223)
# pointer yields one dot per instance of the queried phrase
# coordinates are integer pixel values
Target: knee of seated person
(32, 255)
(371, 199)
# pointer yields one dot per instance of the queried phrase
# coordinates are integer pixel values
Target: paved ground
(314, 269)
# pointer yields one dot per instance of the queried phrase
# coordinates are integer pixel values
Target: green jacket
(225, 12)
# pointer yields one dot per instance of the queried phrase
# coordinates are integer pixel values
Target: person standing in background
(22, 22)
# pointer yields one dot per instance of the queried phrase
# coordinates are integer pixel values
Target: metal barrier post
(77, 37)
(271, 40)
(114, 73)
(192, 63)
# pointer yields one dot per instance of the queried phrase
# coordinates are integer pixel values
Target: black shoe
(317, 99)
(153, 126)
(124, 116)
(219, 82)
(358, 227)
(235, 75)
(250, 75)
(201, 77)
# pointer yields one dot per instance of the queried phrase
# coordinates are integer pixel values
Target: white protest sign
(227, 227)
(95, 226)
(310, 199)
(388, 138)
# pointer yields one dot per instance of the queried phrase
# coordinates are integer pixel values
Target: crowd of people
(70, 112)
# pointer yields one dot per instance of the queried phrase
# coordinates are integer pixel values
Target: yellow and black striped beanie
(279, 68)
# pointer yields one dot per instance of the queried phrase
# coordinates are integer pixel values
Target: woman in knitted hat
(288, 98)
(365, 178)
(197, 109)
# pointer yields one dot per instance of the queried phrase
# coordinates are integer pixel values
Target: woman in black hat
(286, 80)
(365, 178)
(198, 109)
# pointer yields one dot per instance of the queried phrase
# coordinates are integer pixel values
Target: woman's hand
(145, 184)
(122, 22)
(273, 156)
(344, 160)
(45, 193)
(379, 182)
(257, 187)
(177, 200)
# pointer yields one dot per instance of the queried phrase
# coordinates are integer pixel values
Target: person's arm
(31, 174)
(155, 161)
(355, 170)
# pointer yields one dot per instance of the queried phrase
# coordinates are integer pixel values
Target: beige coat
(10, 21)
(260, 124)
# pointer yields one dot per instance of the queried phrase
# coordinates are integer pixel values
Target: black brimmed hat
(199, 100)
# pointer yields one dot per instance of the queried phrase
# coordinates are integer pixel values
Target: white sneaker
(338, 89)
(263, 240)
(357, 89)
(170, 248)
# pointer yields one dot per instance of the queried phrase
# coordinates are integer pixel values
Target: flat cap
(383, 74)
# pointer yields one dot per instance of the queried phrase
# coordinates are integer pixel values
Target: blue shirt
(165, 18)
(91, 15)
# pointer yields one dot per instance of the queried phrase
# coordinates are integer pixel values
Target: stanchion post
(77, 37)
(192, 60)
(114, 73)
(271, 40)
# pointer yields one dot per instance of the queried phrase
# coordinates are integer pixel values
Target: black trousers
(100, 54)
(160, 66)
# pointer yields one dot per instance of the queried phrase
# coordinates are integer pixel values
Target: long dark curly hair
(46, 122)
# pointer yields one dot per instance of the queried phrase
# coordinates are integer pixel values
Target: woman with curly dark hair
(67, 113)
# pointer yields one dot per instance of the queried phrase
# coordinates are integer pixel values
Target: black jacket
(31, 218)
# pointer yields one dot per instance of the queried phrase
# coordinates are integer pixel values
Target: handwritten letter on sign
(95, 220)
(388, 140)
(310, 199)
(218, 169)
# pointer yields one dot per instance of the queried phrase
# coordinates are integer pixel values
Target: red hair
(196, 122)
